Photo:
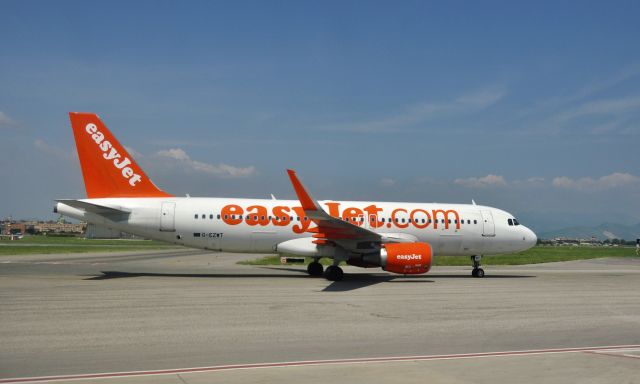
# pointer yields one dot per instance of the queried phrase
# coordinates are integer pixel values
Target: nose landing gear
(477, 271)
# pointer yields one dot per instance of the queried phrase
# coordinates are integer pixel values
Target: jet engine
(402, 258)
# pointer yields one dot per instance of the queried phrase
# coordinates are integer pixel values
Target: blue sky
(533, 107)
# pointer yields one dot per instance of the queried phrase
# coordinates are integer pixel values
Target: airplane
(401, 238)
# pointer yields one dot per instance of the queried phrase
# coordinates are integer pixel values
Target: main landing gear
(333, 272)
(315, 269)
(477, 271)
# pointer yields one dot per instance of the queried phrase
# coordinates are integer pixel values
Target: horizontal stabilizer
(95, 208)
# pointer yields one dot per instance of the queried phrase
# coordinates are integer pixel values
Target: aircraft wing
(329, 229)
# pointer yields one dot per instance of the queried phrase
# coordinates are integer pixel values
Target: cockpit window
(510, 221)
(515, 222)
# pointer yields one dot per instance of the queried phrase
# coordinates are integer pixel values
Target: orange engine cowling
(406, 258)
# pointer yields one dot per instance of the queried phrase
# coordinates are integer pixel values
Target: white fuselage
(258, 226)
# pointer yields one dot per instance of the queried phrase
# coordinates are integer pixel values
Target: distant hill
(602, 232)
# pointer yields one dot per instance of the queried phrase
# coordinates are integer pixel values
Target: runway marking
(616, 353)
(604, 350)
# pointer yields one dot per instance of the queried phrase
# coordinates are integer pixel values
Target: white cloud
(387, 182)
(6, 121)
(50, 150)
(614, 107)
(221, 169)
(595, 87)
(174, 153)
(421, 112)
(589, 109)
(482, 182)
(614, 180)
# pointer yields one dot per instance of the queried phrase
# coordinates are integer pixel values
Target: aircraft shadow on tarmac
(350, 282)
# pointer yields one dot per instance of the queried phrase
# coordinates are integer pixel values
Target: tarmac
(185, 316)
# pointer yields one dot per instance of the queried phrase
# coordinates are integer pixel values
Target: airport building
(11, 227)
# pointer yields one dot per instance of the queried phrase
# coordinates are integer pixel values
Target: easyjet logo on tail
(111, 153)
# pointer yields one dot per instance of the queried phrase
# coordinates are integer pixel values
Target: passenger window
(195, 216)
(475, 221)
(204, 216)
(382, 220)
(226, 217)
(255, 218)
(233, 217)
(468, 221)
(211, 216)
(262, 218)
(218, 217)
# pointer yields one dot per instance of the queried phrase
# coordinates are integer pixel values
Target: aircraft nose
(530, 237)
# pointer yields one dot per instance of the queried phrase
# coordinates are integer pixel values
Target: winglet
(305, 200)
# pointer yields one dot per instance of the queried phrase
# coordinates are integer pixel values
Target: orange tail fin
(107, 168)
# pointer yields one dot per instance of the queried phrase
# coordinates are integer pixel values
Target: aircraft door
(488, 226)
(168, 217)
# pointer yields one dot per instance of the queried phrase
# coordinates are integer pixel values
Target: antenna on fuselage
(273, 197)
(473, 202)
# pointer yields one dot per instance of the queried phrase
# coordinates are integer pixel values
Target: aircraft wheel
(333, 273)
(315, 269)
(478, 272)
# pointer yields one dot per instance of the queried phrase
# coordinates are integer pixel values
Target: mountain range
(601, 232)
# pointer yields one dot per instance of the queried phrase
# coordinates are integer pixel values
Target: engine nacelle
(402, 258)
(406, 258)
